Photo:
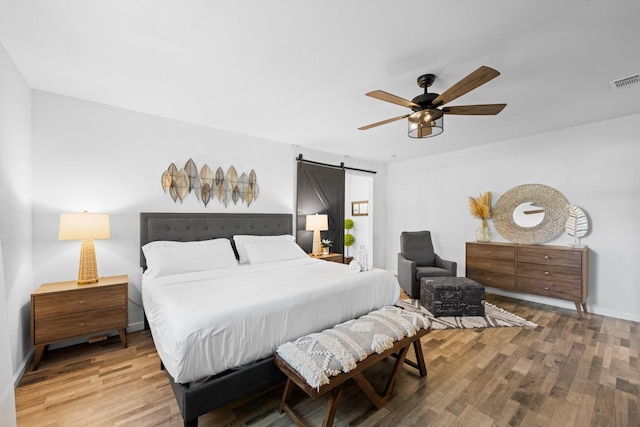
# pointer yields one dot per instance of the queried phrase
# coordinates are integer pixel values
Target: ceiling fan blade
(477, 78)
(385, 96)
(384, 122)
(475, 110)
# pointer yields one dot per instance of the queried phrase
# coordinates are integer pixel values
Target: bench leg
(329, 415)
(419, 364)
(286, 407)
(422, 367)
(332, 406)
(286, 395)
(380, 400)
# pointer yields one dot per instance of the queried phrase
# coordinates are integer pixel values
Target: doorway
(359, 208)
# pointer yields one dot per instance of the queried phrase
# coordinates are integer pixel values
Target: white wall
(7, 396)
(88, 156)
(594, 166)
(15, 226)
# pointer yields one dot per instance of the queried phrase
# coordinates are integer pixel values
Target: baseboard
(594, 309)
(17, 377)
(135, 326)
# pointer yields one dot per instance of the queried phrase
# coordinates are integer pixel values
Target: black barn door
(320, 190)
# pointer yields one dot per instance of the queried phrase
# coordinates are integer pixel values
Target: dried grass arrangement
(480, 207)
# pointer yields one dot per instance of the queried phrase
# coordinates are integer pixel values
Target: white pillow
(165, 257)
(241, 239)
(259, 252)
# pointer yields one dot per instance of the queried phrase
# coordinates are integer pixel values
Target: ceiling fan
(426, 120)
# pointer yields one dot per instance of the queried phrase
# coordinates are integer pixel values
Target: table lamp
(317, 223)
(86, 227)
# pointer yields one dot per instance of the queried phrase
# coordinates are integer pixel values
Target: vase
(483, 233)
(325, 251)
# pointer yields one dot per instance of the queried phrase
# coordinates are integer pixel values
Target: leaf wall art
(577, 224)
(226, 188)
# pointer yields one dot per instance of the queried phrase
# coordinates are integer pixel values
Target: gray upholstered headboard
(186, 227)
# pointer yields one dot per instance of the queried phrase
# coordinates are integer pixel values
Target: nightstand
(65, 310)
(333, 258)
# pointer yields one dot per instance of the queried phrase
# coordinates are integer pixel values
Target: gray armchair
(417, 259)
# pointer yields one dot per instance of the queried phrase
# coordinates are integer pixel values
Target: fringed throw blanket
(316, 357)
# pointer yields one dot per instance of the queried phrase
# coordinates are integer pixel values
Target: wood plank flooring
(565, 372)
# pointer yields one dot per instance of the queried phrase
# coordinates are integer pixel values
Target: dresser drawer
(491, 251)
(77, 301)
(551, 273)
(545, 256)
(550, 289)
(492, 266)
(79, 324)
(492, 279)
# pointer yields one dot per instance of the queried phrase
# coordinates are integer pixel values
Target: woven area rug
(494, 317)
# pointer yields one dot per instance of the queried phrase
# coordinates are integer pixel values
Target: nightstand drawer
(77, 301)
(74, 325)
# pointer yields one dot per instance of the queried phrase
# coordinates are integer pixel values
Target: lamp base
(88, 270)
(316, 243)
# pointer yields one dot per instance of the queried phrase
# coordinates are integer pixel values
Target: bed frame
(183, 227)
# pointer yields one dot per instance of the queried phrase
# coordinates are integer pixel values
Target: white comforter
(207, 322)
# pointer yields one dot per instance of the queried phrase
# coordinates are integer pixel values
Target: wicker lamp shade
(86, 227)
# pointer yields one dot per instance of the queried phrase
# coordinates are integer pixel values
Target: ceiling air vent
(633, 80)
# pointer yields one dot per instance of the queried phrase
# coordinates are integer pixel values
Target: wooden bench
(399, 350)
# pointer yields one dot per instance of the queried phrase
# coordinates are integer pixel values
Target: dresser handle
(546, 257)
(83, 302)
(546, 272)
(547, 288)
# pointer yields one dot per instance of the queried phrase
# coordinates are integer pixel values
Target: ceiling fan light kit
(427, 119)
(426, 123)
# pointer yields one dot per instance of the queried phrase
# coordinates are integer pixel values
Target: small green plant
(326, 243)
(349, 239)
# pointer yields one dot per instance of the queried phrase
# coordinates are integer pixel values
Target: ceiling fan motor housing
(424, 101)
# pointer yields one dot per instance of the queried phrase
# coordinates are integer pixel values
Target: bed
(216, 329)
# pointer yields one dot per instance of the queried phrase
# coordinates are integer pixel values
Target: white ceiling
(296, 71)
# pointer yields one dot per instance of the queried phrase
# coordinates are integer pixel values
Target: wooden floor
(565, 372)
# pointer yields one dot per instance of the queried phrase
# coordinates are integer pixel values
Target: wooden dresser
(551, 271)
(65, 310)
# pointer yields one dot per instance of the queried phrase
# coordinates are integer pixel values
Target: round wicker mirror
(554, 205)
